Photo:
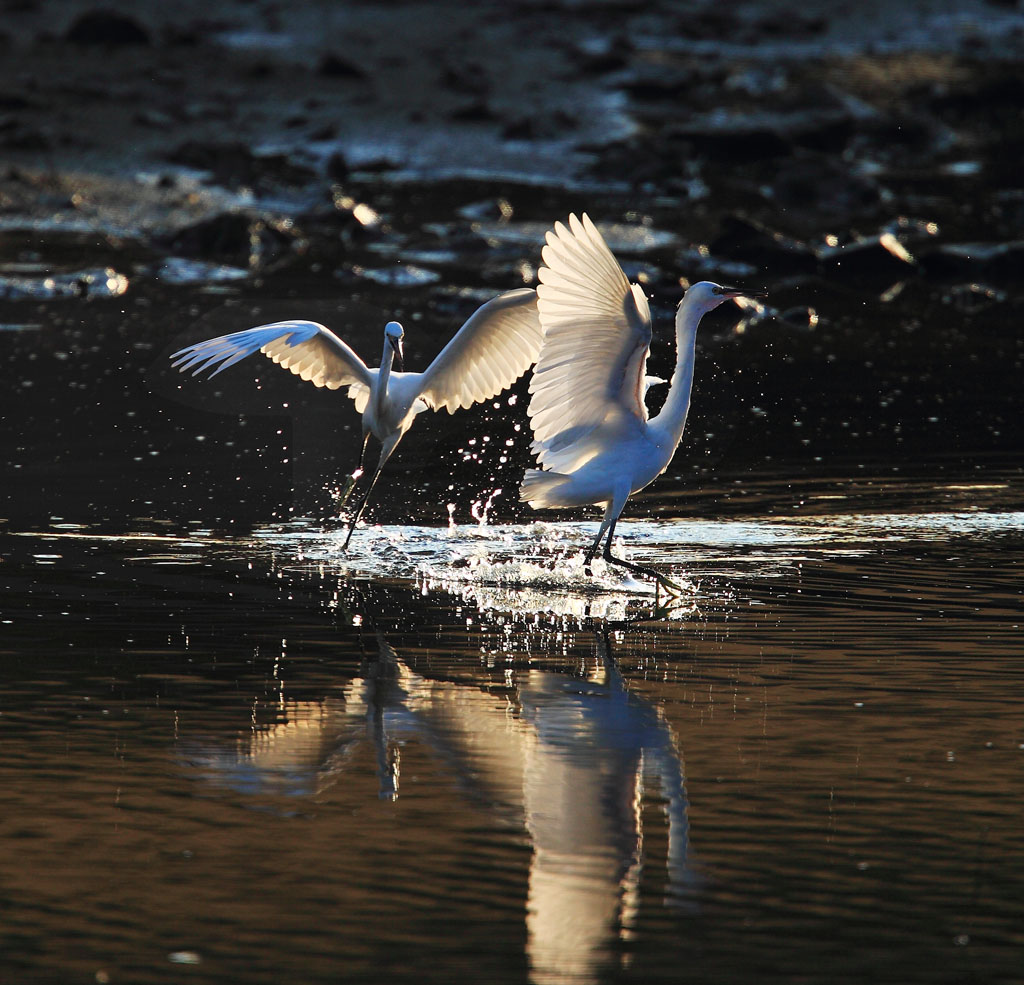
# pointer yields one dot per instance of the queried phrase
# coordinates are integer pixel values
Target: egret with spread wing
(489, 353)
(591, 433)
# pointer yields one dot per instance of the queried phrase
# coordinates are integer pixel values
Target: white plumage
(498, 343)
(591, 431)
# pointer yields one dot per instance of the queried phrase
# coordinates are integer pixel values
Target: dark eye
(716, 290)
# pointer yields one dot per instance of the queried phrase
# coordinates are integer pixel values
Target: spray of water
(479, 509)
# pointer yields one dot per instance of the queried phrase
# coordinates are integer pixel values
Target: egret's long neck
(673, 412)
(380, 390)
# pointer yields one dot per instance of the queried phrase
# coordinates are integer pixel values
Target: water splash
(479, 510)
(535, 568)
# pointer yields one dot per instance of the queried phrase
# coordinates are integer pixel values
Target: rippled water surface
(232, 753)
(452, 756)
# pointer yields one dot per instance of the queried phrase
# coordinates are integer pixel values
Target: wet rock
(181, 270)
(800, 316)
(1001, 263)
(333, 66)
(741, 145)
(17, 101)
(475, 112)
(22, 136)
(603, 62)
(343, 216)
(154, 118)
(540, 127)
(995, 98)
(405, 275)
(487, 210)
(671, 85)
(107, 27)
(699, 263)
(791, 23)
(745, 239)
(261, 70)
(235, 237)
(323, 132)
(233, 163)
(882, 259)
(230, 234)
(625, 238)
(337, 168)
(469, 79)
(103, 282)
(754, 136)
(974, 298)
(819, 184)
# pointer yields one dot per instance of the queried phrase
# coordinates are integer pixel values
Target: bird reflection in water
(573, 758)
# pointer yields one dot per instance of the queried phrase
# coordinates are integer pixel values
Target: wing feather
(597, 334)
(307, 349)
(498, 343)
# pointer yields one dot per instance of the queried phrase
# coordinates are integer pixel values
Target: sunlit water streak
(551, 554)
(539, 567)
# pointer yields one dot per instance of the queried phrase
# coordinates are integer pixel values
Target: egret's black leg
(362, 506)
(609, 511)
(594, 547)
(385, 453)
(639, 569)
(350, 481)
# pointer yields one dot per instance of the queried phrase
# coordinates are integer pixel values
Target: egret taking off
(591, 434)
(489, 353)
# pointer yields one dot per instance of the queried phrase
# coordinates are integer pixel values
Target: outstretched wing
(309, 350)
(597, 334)
(491, 351)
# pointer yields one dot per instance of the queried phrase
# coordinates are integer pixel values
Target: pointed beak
(396, 344)
(739, 292)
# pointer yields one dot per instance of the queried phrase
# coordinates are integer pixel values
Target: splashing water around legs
(660, 580)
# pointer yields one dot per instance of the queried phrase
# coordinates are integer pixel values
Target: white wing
(597, 334)
(491, 351)
(309, 350)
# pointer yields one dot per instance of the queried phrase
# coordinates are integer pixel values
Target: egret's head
(394, 333)
(707, 296)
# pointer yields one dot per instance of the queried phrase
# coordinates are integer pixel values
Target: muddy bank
(169, 174)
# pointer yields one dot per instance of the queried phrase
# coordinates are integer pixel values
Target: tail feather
(539, 488)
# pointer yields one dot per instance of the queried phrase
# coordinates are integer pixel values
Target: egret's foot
(673, 588)
(659, 579)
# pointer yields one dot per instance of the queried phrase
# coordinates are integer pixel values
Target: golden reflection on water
(256, 759)
(569, 759)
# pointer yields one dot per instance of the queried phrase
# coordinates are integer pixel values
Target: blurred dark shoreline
(169, 173)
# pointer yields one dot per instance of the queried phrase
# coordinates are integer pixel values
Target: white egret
(491, 351)
(591, 432)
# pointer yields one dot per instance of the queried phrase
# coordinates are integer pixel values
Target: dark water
(230, 753)
(228, 760)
